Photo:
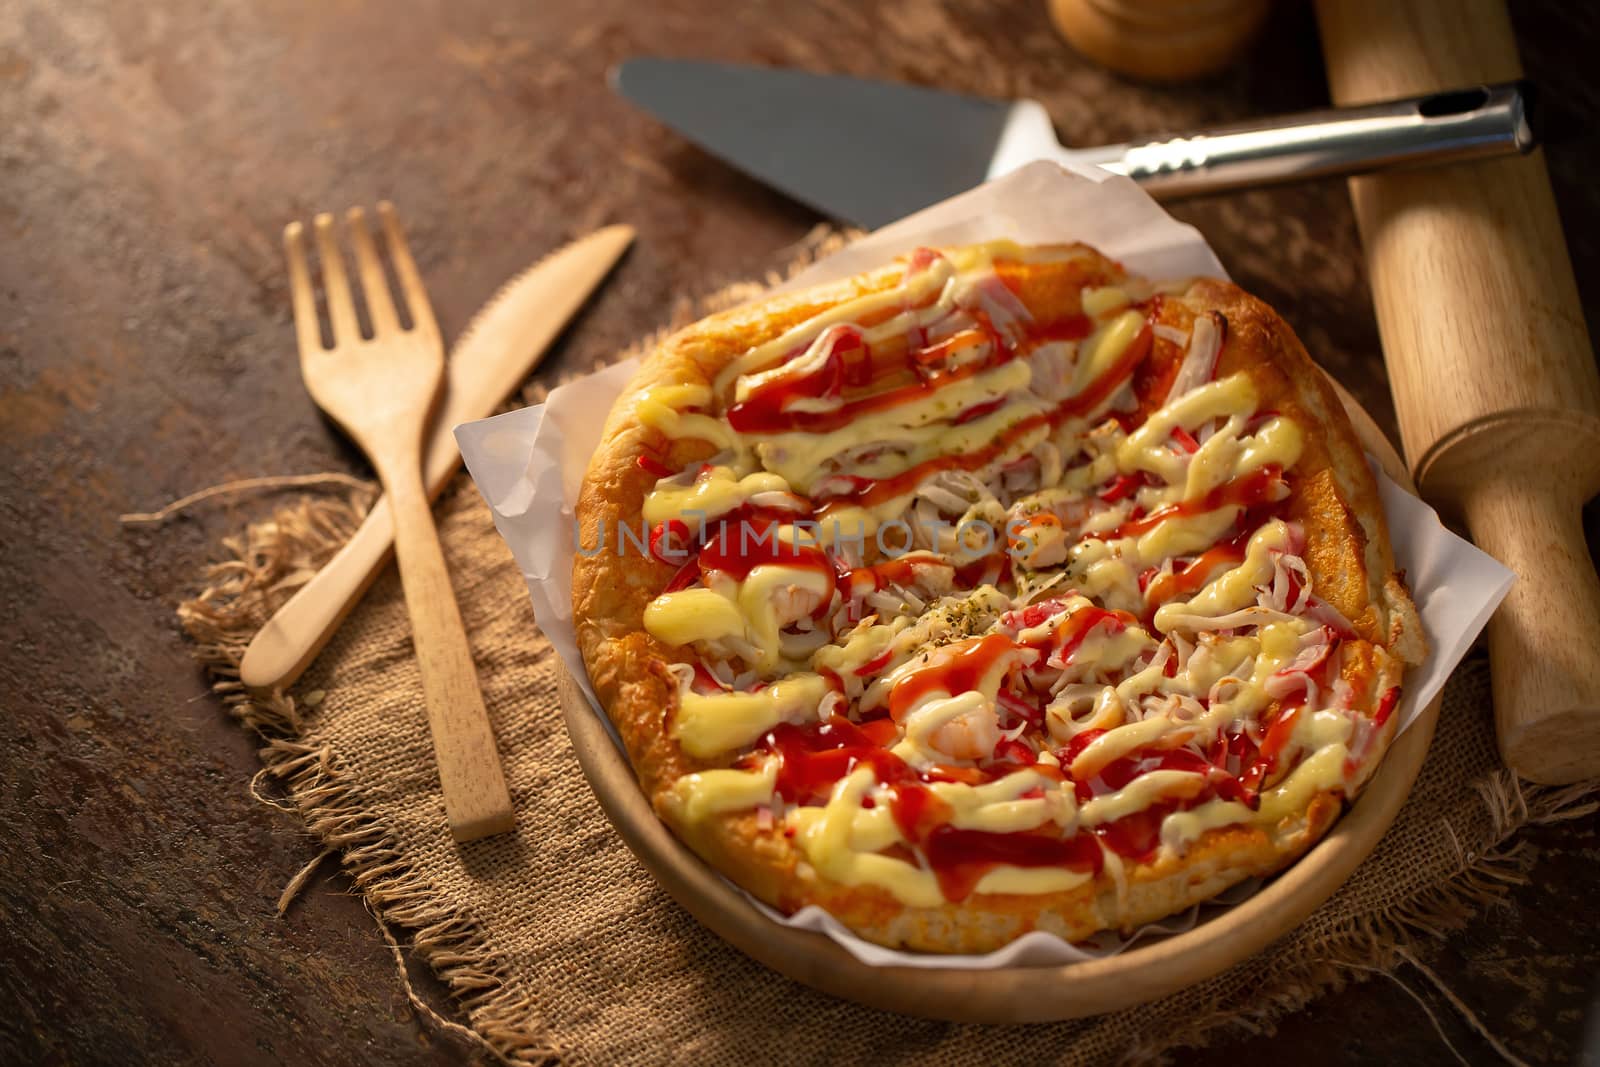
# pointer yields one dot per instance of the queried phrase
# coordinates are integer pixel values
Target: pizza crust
(1348, 553)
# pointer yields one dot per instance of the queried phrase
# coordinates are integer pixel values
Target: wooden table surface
(151, 154)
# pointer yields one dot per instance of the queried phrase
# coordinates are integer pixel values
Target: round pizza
(995, 590)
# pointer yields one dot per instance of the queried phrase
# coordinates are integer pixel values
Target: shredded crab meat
(1052, 366)
(1200, 360)
(1289, 573)
(946, 501)
(682, 674)
(1225, 689)
(1315, 648)
(780, 501)
(1257, 615)
(887, 603)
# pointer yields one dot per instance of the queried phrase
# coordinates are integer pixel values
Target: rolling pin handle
(1542, 639)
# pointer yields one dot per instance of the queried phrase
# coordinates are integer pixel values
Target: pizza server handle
(1468, 123)
(1494, 377)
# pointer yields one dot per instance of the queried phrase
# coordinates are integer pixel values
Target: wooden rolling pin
(1493, 374)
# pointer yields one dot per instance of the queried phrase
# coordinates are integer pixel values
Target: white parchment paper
(529, 465)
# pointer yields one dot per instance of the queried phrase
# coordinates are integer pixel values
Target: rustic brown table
(149, 157)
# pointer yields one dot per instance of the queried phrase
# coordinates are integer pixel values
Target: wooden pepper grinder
(1159, 40)
(1493, 374)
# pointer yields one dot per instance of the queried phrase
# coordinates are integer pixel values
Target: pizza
(991, 591)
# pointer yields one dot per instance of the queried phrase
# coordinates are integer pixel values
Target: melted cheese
(922, 745)
(715, 493)
(840, 839)
(826, 835)
(1031, 880)
(998, 807)
(1183, 828)
(1105, 346)
(1146, 449)
(865, 644)
(1235, 588)
(754, 611)
(1226, 456)
(799, 337)
(710, 725)
(801, 458)
(1185, 535)
(1317, 773)
(661, 407)
(1145, 790)
(1098, 303)
(690, 615)
(1270, 650)
(697, 797)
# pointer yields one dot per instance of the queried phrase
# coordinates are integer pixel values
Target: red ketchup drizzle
(1111, 379)
(1066, 328)
(813, 758)
(1245, 491)
(1273, 745)
(899, 571)
(959, 669)
(1386, 705)
(767, 409)
(670, 542)
(1199, 571)
(1120, 487)
(1031, 712)
(1068, 634)
(1137, 836)
(651, 464)
(960, 858)
(1093, 395)
(737, 548)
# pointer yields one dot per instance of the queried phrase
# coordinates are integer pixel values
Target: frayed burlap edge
(1380, 943)
(262, 567)
(240, 593)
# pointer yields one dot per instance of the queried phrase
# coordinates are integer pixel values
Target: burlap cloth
(558, 946)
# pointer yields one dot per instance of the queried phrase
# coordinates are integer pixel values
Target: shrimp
(795, 602)
(971, 734)
(1040, 542)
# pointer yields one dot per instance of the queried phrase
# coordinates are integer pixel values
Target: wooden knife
(501, 346)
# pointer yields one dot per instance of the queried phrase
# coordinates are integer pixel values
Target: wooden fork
(382, 390)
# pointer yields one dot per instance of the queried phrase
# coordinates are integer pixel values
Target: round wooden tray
(1144, 972)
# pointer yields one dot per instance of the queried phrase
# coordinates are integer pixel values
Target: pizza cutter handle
(1544, 641)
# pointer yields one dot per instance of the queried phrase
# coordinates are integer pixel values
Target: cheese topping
(962, 622)
(712, 724)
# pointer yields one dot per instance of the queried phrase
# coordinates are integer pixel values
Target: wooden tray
(1009, 994)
